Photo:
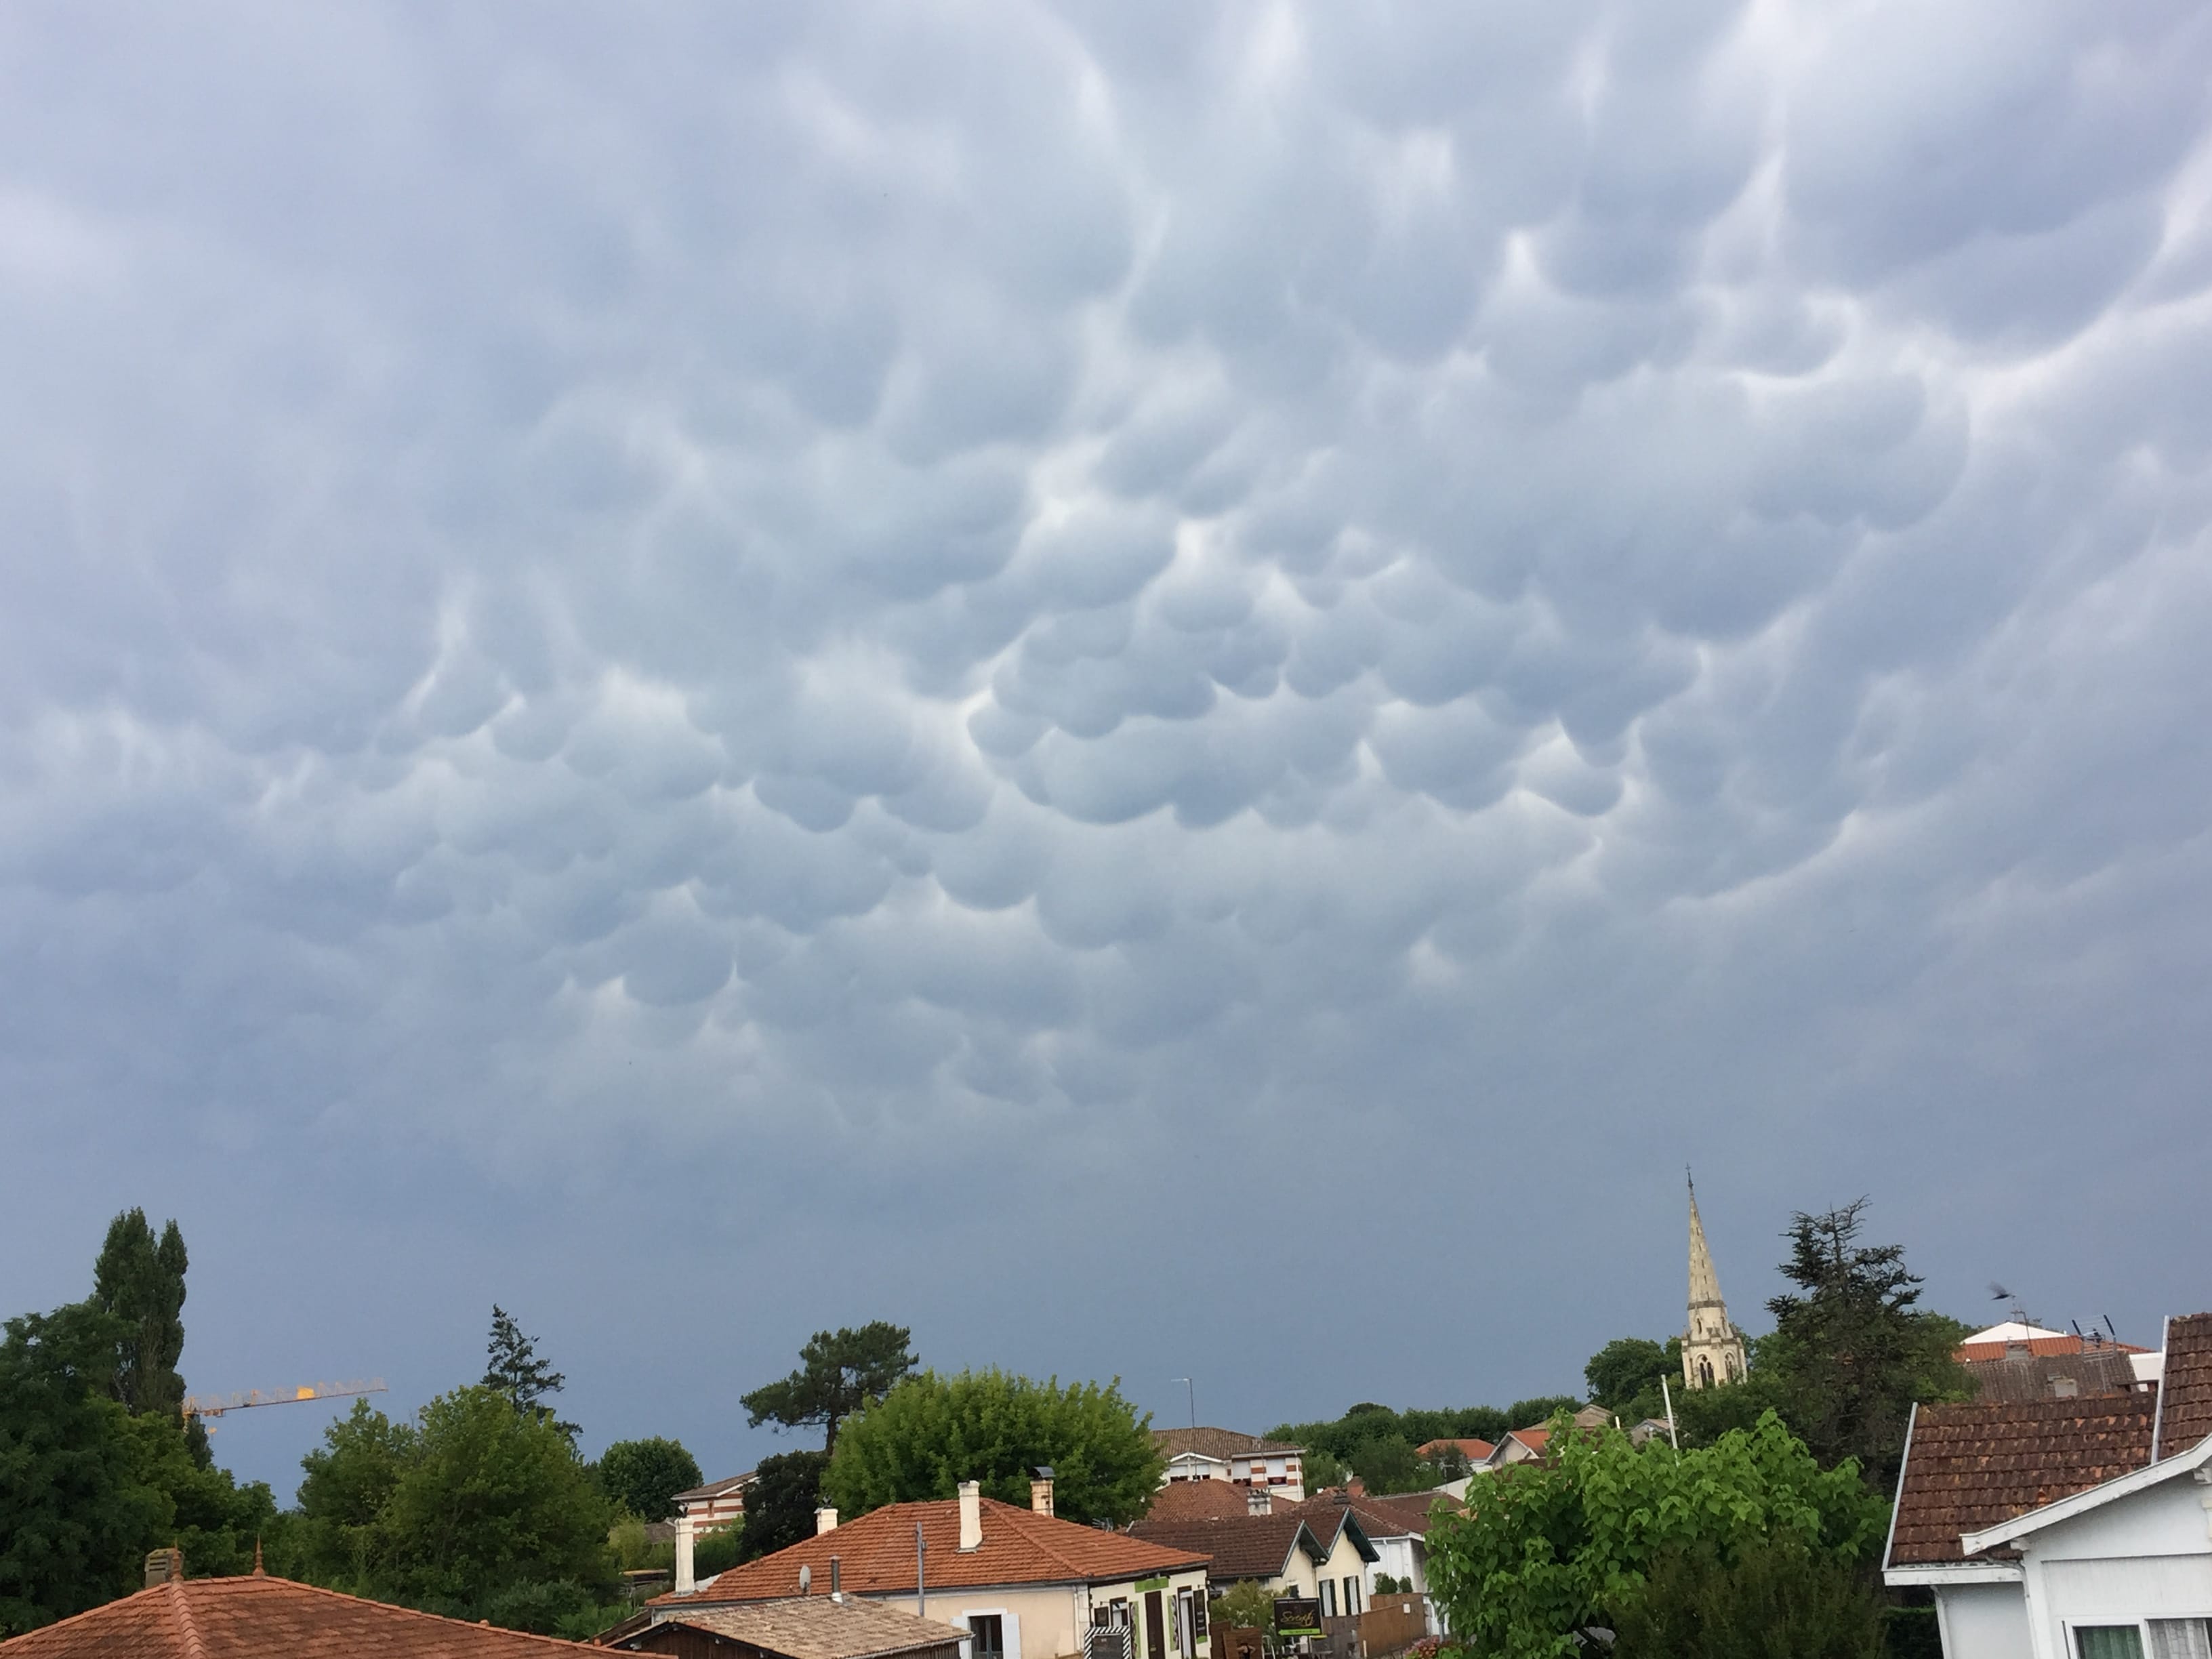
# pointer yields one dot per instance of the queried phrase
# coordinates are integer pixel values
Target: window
(1328, 1605)
(1351, 1593)
(2180, 1639)
(987, 1636)
(2107, 1641)
(1198, 1614)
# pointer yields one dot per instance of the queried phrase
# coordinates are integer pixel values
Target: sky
(1170, 690)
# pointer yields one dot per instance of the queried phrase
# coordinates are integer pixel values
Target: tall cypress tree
(140, 1280)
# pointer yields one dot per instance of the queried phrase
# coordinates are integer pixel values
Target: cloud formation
(988, 575)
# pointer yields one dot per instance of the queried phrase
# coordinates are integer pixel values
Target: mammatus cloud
(922, 575)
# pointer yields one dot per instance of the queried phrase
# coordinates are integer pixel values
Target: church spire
(1712, 1348)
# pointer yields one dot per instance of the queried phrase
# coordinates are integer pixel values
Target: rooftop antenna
(1191, 1388)
(2108, 1326)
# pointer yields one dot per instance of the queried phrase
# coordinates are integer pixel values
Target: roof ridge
(272, 1583)
(180, 1609)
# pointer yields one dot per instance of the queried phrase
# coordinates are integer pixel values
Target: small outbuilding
(801, 1627)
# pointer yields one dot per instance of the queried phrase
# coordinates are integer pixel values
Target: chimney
(971, 1516)
(685, 1580)
(165, 1566)
(1355, 1488)
(836, 1588)
(1258, 1500)
(2017, 1348)
(1041, 1489)
(826, 1520)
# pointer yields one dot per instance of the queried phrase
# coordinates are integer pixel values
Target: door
(1156, 1628)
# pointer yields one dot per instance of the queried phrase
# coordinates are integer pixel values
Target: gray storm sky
(1169, 688)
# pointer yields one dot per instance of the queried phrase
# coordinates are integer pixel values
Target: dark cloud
(1166, 622)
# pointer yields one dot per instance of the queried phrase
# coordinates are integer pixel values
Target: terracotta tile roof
(813, 1627)
(2042, 1347)
(875, 1554)
(1473, 1450)
(270, 1619)
(1201, 1500)
(2186, 1416)
(1533, 1439)
(1243, 1547)
(1972, 1465)
(1217, 1442)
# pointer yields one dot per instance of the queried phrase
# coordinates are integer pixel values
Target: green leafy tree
(1782, 1597)
(1529, 1413)
(1386, 1464)
(202, 1509)
(1851, 1350)
(140, 1279)
(839, 1372)
(931, 1432)
(335, 1539)
(74, 1516)
(1322, 1468)
(780, 1504)
(1244, 1605)
(644, 1476)
(1626, 1369)
(491, 1500)
(517, 1374)
(1564, 1547)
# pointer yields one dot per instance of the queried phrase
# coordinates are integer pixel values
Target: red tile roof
(1379, 1517)
(1221, 1444)
(808, 1627)
(2042, 1347)
(875, 1556)
(1473, 1450)
(2186, 1418)
(1972, 1466)
(1202, 1500)
(270, 1618)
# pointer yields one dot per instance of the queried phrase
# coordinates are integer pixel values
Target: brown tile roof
(2034, 1377)
(1379, 1517)
(1242, 1547)
(1202, 1500)
(2186, 1416)
(1972, 1466)
(813, 1627)
(270, 1618)
(875, 1554)
(1217, 1442)
(722, 1488)
(1472, 1450)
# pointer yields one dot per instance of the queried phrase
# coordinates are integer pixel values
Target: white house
(2067, 1527)
(1244, 1460)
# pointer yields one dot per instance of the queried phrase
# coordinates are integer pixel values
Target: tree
(75, 1517)
(931, 1432)
(336, 1541)
(1773, 1598)
(491, 1500)
(1386, 1464)
(839, 1372)
(141, 1281)
(780, 1504)
(201, 1509)
(1243, 1605)
(1626, 1369)
(1852, 1352)
(1563, 1547)
(517, 1374)
(644, 1476)
(1529, 1413)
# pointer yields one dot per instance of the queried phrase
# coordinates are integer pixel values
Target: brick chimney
(826, 1520)
(1355, 1488)
(165, 1566)
(686, 1582)
(971, 1516)
(1041, 1489)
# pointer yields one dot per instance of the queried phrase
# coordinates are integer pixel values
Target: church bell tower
(1712, 1348)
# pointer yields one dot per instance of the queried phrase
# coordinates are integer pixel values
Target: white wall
(2147, 1555)
(1982, 1621)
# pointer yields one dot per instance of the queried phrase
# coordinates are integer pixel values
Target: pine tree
(141, 1281)
(518, 1374)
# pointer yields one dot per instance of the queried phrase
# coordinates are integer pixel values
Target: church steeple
(1712, 1348)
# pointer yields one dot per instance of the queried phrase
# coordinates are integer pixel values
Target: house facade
(1020, 1582)
(1325, 1555)
(717, 1504)
(1243, 1460)
(2068, 1527)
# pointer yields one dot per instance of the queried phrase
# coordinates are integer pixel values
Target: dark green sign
(1298, 1615)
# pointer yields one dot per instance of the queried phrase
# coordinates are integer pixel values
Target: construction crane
(215, 1404)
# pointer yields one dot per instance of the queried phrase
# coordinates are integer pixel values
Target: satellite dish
(805, 1579)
